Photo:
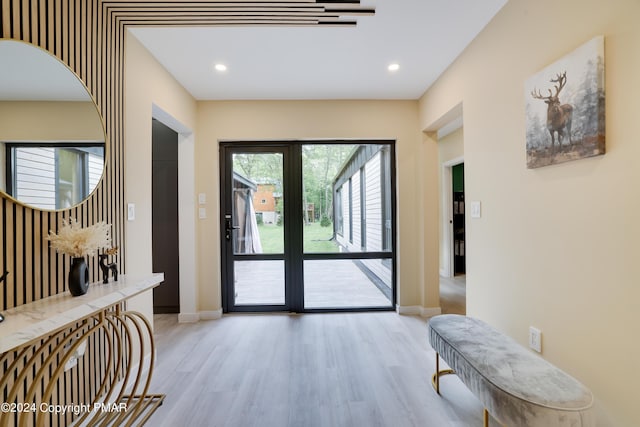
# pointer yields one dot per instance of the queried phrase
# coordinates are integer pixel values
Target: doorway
(458, 215)
(308, 226)
(452, 281)
(165, 236)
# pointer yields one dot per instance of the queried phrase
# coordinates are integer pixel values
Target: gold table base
(35, 374)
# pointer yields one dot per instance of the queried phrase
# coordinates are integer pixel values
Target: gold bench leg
(435, 379)
(486, 418)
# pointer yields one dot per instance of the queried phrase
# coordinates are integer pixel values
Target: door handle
(229, 229)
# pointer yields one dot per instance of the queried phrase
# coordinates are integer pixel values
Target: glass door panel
(253, 209)
(259, 282)
(354, 283)
(320, 165)
(347, 225)
(257, 203)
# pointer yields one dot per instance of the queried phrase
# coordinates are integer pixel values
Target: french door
(307, 226)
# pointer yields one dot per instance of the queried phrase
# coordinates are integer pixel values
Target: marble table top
(40, 318)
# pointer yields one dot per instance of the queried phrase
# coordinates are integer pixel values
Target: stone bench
(516, 386)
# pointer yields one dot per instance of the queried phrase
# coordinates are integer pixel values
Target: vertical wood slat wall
(75, 32)
(88, 36)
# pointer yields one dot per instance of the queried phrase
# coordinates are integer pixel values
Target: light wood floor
(339, 369)
(453, 295)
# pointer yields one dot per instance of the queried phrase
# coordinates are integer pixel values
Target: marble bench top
(40, 318)
(503, 373)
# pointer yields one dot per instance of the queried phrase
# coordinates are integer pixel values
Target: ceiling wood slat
(227, 14)
(216, 13)
(187, 23)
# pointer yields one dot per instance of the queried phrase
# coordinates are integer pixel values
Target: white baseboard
(416, 310)
(444, 272)
(411, 310)
(188, 317)
(210, 315)
(431, 311)
(201, 315)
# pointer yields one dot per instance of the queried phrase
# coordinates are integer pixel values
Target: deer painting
(559, 116)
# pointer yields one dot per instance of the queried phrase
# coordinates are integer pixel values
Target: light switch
(475, 210)
(202, 213)
(202, 198)
(131, 211)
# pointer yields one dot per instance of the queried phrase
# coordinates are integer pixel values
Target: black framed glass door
(253, 214)
(308, 226)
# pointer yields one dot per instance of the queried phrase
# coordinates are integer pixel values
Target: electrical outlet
(535, 339)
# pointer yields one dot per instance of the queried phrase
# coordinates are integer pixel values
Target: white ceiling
(28, 73)
(423, 36)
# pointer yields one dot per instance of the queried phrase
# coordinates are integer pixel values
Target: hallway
(453, 294)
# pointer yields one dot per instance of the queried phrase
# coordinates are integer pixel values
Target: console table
(79, 360)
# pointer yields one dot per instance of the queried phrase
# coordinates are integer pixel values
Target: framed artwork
(564, 108)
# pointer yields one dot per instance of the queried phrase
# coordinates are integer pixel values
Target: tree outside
(320, 165)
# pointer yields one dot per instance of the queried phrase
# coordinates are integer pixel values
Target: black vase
(78, 277)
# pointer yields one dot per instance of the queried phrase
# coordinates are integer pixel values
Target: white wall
(148, 85)
(556, 247)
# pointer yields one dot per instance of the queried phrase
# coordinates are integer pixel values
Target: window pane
(258, 203)
(353, 283)
(70, 178)
(259, 282)
(347, 194)
(50, 177)
(34, 180)
(95, 168)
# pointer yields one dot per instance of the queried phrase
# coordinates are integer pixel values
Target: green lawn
(272, 239)
(316, 238)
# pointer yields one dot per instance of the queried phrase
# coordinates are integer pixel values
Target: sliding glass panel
(347, 194)
(259, 282)
(351, 283)
(258, 203)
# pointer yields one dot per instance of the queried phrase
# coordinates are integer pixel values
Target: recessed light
(220, 67)
(393, 67)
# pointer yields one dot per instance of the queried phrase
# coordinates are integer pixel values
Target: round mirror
(52, 139)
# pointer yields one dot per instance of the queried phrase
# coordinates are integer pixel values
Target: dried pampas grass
(76, 241)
